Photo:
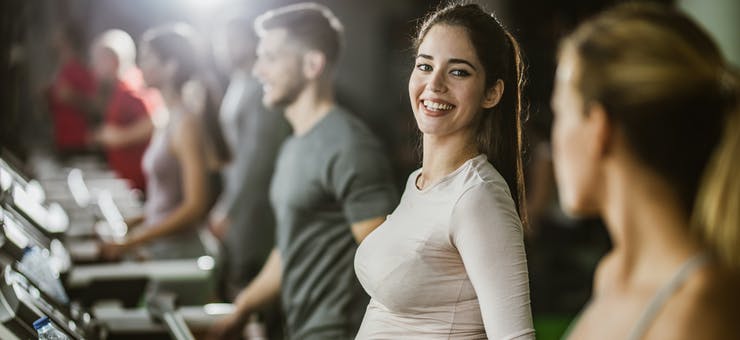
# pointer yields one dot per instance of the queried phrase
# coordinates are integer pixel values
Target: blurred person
(243, 217)
(70, 93)
(332, 184)
(127, 126)
(124, 47)
(175, 163)
(449, 262)
(641, 94)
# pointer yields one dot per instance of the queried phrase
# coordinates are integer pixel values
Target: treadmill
(31, 221)
(22, 301)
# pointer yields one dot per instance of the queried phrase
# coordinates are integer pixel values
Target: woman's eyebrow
(451, 61)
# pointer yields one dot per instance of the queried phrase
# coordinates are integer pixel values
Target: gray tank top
(164, 194)
(661, 297)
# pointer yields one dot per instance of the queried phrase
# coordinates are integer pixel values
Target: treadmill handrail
(120, 320)
(177, 326)
(164, 270)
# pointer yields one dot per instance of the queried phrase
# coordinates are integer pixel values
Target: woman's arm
(486, 230)
(187, 147)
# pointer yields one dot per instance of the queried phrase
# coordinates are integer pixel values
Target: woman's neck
(171, 97)
(443, 155)
(648, 225)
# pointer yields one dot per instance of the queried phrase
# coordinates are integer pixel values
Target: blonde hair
(658, 75)
(717, 212)
(664, 83)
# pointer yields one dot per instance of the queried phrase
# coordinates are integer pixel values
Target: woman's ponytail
(717, 210)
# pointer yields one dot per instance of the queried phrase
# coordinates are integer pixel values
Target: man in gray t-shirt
(325, 180)
(332, 184)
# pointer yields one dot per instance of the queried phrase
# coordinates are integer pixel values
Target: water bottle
(35, 265)
(47, 331)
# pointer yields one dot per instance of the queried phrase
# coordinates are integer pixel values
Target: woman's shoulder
(184, 129)
(183, 122)
(706, 308)
(480, 186)
(484, 177)
(714, 303)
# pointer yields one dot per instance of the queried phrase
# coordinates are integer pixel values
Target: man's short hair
(311, 24)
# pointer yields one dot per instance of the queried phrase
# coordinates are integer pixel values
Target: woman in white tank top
(641, 96)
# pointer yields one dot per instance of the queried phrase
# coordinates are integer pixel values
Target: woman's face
(447, 85)
(575, 142)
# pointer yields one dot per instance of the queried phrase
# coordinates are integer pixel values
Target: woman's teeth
(430, 105)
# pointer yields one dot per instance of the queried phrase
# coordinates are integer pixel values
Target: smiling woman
(450, 261)
(447, 85)
(462, 60)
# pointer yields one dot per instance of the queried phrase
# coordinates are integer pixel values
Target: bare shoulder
(186, 135)
(714, 305)
(707, 307)
(186, 123)
(186, 128)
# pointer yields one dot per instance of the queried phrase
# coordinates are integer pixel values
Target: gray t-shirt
(334, 175)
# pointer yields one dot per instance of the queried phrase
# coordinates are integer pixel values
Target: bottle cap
(43, 321)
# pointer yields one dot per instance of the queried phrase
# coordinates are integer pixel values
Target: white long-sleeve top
(448, 263)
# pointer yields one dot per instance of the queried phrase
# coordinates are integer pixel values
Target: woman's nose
(437, 82)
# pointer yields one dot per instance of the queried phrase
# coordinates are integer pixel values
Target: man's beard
(290, 95)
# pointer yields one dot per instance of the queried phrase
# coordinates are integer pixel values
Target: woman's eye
(460, 73)
(423, 67)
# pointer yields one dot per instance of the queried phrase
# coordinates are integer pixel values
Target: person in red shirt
(127, 126)
(70, 92)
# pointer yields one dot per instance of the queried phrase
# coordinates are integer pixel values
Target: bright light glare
(203, 5)
(218, 308)
(6, 180)
(206, 263)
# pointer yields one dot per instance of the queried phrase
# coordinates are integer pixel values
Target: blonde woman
(641, 95)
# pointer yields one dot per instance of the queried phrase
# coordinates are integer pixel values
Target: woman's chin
(578, 208)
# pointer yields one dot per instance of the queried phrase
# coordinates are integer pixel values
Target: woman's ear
(493, 95)
(600, 128)
(314, 63)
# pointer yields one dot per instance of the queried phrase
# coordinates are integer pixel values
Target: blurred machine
(62, 215)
